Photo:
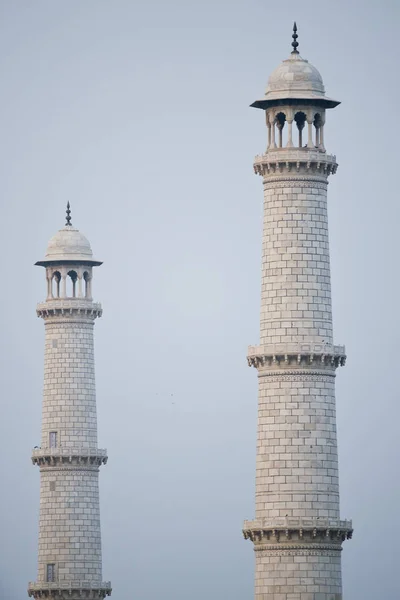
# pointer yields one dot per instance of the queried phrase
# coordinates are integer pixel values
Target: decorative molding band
(69, 589)
(73, 467)
(300, 374)
(297, 550)
(72, 323)
(295, 182)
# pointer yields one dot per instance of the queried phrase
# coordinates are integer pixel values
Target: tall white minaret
(297, 532)
(69, 561)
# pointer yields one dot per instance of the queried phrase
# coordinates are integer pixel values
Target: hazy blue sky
(138, 114)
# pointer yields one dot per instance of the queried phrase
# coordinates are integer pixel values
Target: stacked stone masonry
(297, 532)
(296, 292)
(69, 394)
(69, 522)
(297, 463)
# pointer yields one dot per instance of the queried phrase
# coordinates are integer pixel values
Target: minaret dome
(69, 256)
(295, 79)
(295, 100)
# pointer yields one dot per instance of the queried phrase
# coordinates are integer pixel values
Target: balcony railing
(65, 451)
(301, 348)
(297, 523)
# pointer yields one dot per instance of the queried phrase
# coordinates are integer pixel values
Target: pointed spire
(295, 43)
(68, 218)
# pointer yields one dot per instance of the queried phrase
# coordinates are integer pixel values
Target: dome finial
(68, 218)
(295, 43)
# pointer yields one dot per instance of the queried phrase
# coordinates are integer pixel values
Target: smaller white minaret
(69, 552)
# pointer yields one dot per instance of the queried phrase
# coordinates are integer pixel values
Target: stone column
(49, 290)
(272, 122)
(63, 283)
(322, 142)
(80, 284)
(290, 133)
(310, 142)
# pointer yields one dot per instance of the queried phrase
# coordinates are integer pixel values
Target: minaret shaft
(297, 532)
(296, 287)
(297, 466)
(69, 493)
(69, 395)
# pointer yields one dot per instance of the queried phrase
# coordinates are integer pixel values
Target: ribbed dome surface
(295, 78)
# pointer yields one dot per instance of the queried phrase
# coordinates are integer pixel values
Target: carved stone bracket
(296, 355)
(69, 590)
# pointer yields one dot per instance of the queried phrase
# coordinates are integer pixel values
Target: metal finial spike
(295, 43)
(68, 218)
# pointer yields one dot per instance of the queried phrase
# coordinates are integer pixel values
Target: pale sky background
(138, 114)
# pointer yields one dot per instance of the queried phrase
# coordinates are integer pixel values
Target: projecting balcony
(65, 589)
(281, 160)
(295, 154)
(309, 531)
(291, 522)
(68, 306)
(321, 355)
(63, 455)
(328, 349)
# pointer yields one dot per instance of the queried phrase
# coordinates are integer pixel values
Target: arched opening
(72, 277)
(280, 123)
(55, 284)
(87, 280)
(317, 125)
(300, 120)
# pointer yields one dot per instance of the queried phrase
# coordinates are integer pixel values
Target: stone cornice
(292, 160)
(70, 308)
(283, 529)
(58, 457)
(321, 356)
(69, 589)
